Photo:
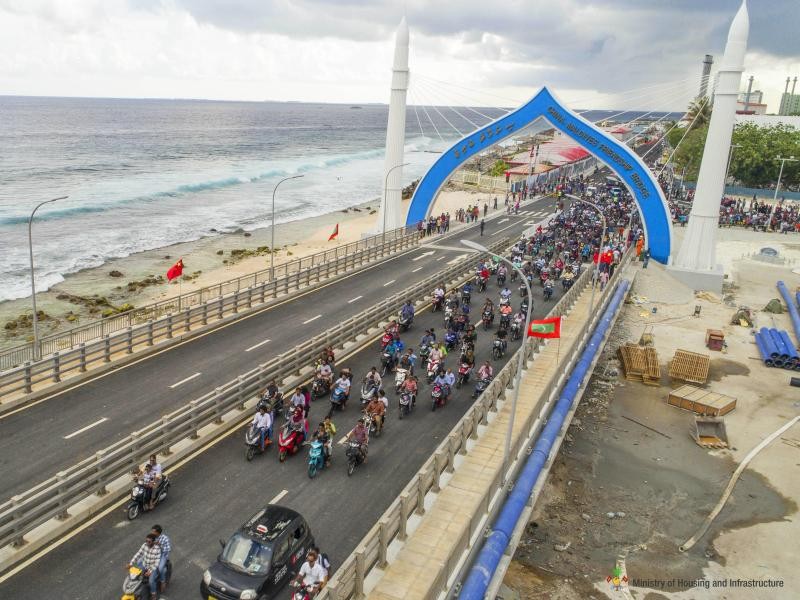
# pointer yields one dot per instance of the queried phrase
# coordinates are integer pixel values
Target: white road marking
(457, 259)
(87, 428)
(504, 228)
(423, 255)
(278, 497)
(258, 345)
(440, 258)
(354, 299)
(174, 385)
(389, 282)
(417, 269)
(311, 319)
(502, 221)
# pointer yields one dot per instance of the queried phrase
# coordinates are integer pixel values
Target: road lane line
(174, 385)
(504, 228)
(311, 319)
(440, 258)
(417, 269)
(502, 221)
(278, 497)
(343, 440)
(357, 298)
(87, 428)
(389, 282)
(258, 345)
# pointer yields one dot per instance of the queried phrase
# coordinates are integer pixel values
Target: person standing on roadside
(483, 225)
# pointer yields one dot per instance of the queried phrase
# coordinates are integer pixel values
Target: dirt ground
(631, 484)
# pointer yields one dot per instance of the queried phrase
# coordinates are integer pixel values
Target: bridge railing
(348, 580)
(92, 476)
(80, 348)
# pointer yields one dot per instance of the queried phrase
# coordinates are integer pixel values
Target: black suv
(260, 557)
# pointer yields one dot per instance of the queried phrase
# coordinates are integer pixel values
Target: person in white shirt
(262, 421)
(311, 573)
(325, 372)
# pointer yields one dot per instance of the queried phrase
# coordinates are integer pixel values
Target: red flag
(335, 233)
(175, 270)
(545, 328)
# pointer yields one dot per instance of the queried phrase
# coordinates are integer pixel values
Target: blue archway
(622, 160)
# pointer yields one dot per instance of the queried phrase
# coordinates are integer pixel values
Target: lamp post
(730, 156)
(518, 377)
(36, 350)
(386, 200)
(783, 160)
(272, 232)
(595, 277)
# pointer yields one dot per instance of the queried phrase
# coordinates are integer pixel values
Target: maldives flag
(335, 233)
(175, 270)
(545, 328)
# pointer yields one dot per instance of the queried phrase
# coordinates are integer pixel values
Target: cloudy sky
(601, 53)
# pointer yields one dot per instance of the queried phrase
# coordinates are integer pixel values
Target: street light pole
(386, 200)
(521, 364)
(272, 232)
(36, 350)
(778, 185)
(730, 156)
(595, 276)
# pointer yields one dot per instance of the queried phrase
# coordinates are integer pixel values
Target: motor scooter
(135, 586)
(516, 330)
(400, 376)
(448, 316)
(450, 340)
(289, 441)
(488, 317)
(386, 339)
(338, 400)
(497, 349)
(302, 592)
(316, 458)
(436, 303)
(136, 504)
(354, 457)
(501, 279)
(464, 370)
(368, 390)
(252, 438)
(439, 395)
(320, 387)
(405, 322)
(547, 292)
(432, 369)
(387, 360)
(481, 386)
(406, 403)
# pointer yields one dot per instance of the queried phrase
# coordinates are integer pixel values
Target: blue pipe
(793, 314)
(787, 341)
(797, 297)
(778, 341)
(769, 343)
(495, 545)
(763, 350)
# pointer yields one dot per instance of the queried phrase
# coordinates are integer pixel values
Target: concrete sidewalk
(429, 555)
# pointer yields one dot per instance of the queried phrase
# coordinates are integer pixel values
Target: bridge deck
(429, 554)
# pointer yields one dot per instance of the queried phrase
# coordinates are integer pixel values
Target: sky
(624, 54)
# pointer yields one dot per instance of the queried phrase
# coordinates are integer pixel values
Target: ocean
(145, 174)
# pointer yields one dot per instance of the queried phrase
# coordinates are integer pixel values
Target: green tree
(699, 112)
(498, 168)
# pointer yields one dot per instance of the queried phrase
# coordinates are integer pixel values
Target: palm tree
(699, 112)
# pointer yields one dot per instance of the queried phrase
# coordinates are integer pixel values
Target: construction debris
(774, 306)
(743, 317)
(700, 401)
(640, 363)
(689, 366)
(710, 432)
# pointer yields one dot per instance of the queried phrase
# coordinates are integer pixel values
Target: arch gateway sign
(625, 163)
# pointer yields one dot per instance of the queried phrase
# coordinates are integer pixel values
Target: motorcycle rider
(438, 296)
(311, 573)
(376, 410)
(450, 378)
(468, 355)
(344, 384)
(429, 339)
(373, 379)
(325, 372)
(452, 299)
(407, 312)
(501, 334)
(505, 315)
(407, 361)
(149, 486)
(330, 429)
(155, 474)
(166, 548)
(502, 272)
(411, 385)
(298, 423)
(441, 380)
(488, 306)
(361, 434)
(298, 400)
(486, 371)
(262, 421)
(395, 349)
(148, 558)
(321, 435)
(466, 293)
(505, 295)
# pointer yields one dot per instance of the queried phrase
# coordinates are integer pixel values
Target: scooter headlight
(248, 595)
(207, 577)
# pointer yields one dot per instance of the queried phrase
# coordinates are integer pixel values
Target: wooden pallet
(701, 402)
(689, 366)
(640, 363)
(653, 374)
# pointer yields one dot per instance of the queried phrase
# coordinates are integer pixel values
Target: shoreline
(203, 264)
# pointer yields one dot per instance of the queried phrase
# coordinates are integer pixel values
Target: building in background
(790, 104)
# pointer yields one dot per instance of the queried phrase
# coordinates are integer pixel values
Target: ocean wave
(198, 187)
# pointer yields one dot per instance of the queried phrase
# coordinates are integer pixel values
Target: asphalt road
(37, 442)
(214, 493)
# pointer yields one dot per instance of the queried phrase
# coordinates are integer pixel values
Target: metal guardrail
(348, 580)
(53, 497)
(152, 329)
(73, 337)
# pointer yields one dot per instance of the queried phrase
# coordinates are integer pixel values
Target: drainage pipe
(769, 343)
(793, 314)
(481, 573)
(765, 355)
(778, 341)
(787, 341)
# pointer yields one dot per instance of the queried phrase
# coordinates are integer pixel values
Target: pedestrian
(645, 258)
(495, 203)
(485, 208)
(483, 224)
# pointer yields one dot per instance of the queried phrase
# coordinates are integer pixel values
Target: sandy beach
(207, 261)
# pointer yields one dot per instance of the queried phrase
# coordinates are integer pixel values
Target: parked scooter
(136, 504)
(135, 585)
(316, 458)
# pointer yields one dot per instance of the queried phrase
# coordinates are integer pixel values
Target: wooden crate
(701, 402)
(715, 339)
(689, 366)
(640, 363)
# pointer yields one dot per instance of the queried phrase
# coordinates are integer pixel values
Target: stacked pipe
(776, 349)
(793, 314)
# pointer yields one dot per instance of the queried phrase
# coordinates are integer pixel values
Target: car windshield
(245, 554)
